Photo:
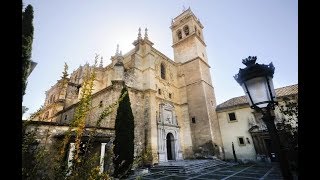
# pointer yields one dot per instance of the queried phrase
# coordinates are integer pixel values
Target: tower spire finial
(139, 34)
(117, 51)
(183, 8)
(146, 33)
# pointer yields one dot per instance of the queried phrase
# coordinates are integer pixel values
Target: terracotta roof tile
(241, 100)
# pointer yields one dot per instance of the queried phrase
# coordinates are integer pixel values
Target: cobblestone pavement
(222, 171)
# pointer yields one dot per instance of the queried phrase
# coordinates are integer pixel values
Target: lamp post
(256, 81)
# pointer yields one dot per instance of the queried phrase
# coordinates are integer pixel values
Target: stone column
(174, 119)
(103, 149)
(70, 156)
(178, 146)
(175, 143)
(159, 135)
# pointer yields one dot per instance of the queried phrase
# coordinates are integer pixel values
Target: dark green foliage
(27, 39)
(124, 140)
(29, 147)
(27, 18)
(34, 164)
(288, 129)
(289, 126)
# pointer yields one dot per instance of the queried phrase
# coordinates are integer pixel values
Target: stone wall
(239, 128)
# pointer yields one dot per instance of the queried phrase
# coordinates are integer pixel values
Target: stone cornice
(160, 124)
(163, 56)
(198, 57)
(62, 124)
(236, 107)
(197, 82)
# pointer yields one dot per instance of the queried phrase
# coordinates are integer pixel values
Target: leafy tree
(289, 123)
(27, 39)
(124, 139)
(79, 166)
(288, 128)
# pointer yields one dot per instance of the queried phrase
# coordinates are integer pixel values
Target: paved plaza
(211, 169)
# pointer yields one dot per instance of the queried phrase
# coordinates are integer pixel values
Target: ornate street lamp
(256, 81)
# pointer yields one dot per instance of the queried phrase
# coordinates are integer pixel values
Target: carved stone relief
(168, 124)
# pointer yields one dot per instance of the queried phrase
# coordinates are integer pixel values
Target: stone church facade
(172, 100)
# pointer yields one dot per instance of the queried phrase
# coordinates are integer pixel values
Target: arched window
(163, 71)
(186, 30)
(195, 28)
(179, 34)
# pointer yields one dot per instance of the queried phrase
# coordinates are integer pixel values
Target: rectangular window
(241, 141)
(159, 91)
(232, 117)
(170, 95)
(193, 119)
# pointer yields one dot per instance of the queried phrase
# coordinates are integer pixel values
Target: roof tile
(241, 100)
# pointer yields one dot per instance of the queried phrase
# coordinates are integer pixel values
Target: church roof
(241, 100)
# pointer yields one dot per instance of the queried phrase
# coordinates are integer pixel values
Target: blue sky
(73, 31)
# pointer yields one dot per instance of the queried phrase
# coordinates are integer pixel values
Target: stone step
(191, 170)
(170, 169)
(205, 165)
(186, 166)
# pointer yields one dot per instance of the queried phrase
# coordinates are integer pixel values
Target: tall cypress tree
(123, 143)
(27, 39)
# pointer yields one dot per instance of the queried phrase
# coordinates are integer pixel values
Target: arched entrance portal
(170, 147)
(168, 134)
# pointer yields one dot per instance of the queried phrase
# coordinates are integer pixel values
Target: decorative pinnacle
(120, 53)
(251, 60)
(117, 51)
(146, 33)
(139, 34)
(101, 62)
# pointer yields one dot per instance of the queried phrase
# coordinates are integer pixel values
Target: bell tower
(187, 36)
(190, 54)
